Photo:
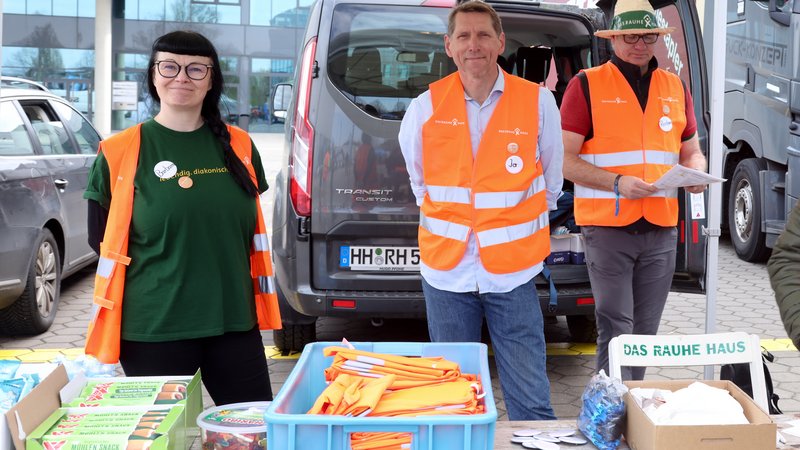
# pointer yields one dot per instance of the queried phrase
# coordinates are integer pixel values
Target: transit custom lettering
(368, 195)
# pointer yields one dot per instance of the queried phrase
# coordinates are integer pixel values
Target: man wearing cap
(625, 123)
(483, 151)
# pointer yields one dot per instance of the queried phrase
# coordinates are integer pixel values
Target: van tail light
(303, 135)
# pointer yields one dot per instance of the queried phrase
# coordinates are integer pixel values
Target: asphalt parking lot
(744, 303)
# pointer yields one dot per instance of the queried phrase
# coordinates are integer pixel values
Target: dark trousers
(233, 365)
(631, 275)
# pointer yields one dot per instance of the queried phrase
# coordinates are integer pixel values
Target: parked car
(345, 220)
(46, 150)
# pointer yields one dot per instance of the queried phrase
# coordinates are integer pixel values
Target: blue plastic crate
(289, 428)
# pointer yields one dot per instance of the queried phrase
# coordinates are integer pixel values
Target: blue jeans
(517, 331)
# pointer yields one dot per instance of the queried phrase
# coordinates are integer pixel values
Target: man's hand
(634, 187)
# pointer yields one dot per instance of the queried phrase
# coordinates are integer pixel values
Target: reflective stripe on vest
(511, 233)
(122, 154)
(631, 158)
(505, 207)
(629, 141)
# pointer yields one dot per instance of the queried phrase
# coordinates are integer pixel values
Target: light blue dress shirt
(470, 275)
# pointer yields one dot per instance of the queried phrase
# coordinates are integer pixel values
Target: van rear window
(381, 57)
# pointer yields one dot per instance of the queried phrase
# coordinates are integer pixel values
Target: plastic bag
(90, 367)
(602, 416)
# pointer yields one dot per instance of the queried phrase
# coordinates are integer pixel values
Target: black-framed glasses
(171, 69)
(649, 38)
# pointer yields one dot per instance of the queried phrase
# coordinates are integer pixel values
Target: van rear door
(377, 58)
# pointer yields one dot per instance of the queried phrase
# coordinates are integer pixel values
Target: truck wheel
(582, 329)
(744, 212)
(34, 311)
(293, 337)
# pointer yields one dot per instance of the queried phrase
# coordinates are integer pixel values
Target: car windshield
(381, 57)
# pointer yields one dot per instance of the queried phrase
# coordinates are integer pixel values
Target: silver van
(345, 219)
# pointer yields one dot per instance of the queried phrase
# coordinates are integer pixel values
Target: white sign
(124, 95)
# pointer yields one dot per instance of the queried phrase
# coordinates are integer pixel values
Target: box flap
(36, 406)
(73, 388)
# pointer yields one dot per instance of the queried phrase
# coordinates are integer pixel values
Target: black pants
(233, 365)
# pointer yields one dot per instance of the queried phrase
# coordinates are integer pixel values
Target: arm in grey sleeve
(410, 138)
(550, 146)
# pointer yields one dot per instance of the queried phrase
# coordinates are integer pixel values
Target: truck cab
(761, 127)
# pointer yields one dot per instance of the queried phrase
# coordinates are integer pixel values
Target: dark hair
(473, 6)
(193, 43)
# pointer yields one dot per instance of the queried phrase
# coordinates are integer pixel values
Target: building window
(66, 8)
(280, 13)
(218, 2)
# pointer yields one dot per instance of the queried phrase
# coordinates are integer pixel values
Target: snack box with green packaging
(82, 392)
(56, 390)
(112, 428)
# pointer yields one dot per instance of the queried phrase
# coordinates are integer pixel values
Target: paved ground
(745, 303)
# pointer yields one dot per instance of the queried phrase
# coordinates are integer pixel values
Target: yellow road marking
(553, 349)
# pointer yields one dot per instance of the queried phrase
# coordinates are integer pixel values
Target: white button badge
(165, 169)
(514, 164)
(665, 123)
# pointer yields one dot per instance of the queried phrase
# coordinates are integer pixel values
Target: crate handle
(348, 429)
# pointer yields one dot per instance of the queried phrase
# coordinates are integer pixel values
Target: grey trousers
(631, 275)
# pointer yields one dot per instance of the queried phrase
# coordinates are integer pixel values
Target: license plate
(392, 259)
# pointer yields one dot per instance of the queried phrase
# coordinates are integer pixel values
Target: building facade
(54, 42)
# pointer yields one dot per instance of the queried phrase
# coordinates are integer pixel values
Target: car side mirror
(281, 97)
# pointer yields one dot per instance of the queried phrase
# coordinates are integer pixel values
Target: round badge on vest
(514, 164)
(665, 109)
(665, 123)
(165, 169)
(185, 182)
(512, 147)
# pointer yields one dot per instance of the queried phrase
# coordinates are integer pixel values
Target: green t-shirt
(189, 275)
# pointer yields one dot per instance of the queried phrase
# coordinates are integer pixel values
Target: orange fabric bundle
(455, 397)
(408, 371)
(380, 441)
(381, 385)
(392, 361)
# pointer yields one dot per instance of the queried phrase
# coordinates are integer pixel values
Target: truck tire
(744, 212)
(34, 311)
(293, 337)
(582, 329)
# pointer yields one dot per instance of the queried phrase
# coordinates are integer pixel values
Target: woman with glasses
(625, 123)
(184, 277)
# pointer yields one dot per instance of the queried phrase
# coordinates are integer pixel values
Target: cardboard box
(40, 369)
(642, 434)
(107, 433)
(56, 389)
(559, 249)
(576, 253)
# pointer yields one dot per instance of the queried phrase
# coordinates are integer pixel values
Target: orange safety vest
(629, 141)
(500, 196)
(122, 153)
